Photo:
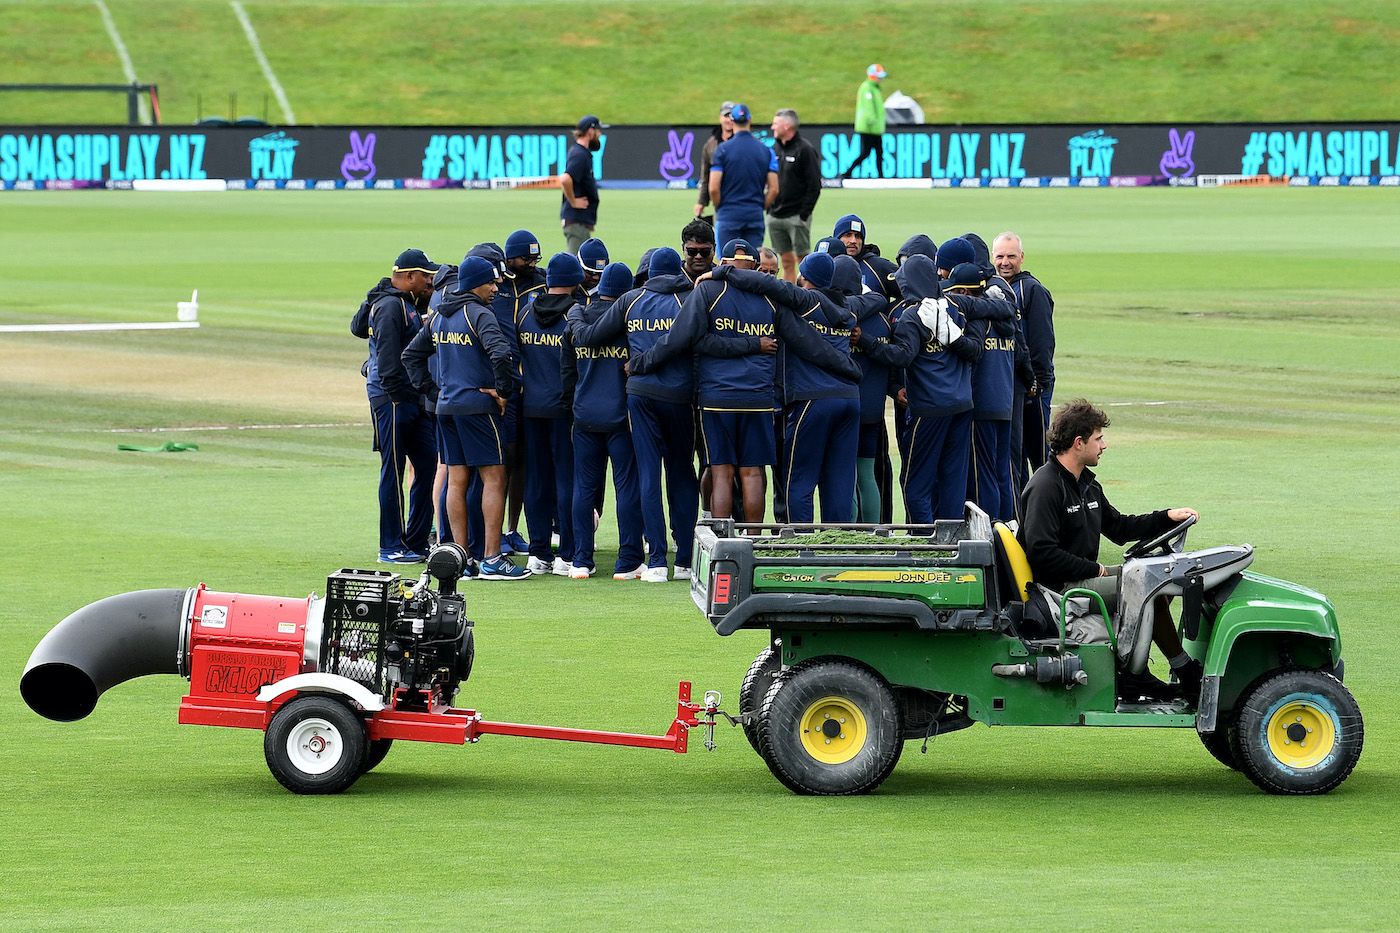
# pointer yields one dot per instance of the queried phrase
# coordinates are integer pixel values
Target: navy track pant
(820, 442)
(663, 435)
(404, 432)
(592, 451)
(989, 481)
(936, 480)
(549, 485)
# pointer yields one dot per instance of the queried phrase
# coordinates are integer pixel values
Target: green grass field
(1259, 324)
(549, 61)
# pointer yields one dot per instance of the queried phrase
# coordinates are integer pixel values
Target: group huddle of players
(696, 376)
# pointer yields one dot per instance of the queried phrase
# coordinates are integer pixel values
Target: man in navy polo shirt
(579, 211)
(743, 183)
(401, 428)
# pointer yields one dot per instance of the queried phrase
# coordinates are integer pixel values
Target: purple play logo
(1176, 161)
(676, 164)
(358, 164)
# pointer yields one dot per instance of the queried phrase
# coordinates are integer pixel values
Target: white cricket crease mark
(235, 427)
(1141, 404)
(251, 33)
(124, 57)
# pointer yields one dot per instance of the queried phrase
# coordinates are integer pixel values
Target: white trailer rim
(314, 746)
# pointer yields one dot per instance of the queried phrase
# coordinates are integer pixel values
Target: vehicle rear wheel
(315, 745)
(830, 728)
(1299, 732)
(1220, 744)
(757, 682)
(378, 748)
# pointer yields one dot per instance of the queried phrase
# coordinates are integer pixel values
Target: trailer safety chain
(712, 701)
(932, 730)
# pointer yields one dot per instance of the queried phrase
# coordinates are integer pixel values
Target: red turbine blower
(331, 681)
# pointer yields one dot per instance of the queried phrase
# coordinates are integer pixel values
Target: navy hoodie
(822, 310)
(592, 376)
(877, 272)
(1038, 322)
(470, 354)
(870, 312)
(516, 292)
(394, 319)
(540, 333)
(647, 314)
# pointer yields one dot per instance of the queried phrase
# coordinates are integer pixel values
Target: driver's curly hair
(1077, 418)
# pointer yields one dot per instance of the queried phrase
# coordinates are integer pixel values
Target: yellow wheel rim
(833, 730)
(1301, 734)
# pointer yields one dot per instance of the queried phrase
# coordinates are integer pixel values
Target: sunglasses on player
(699, 250)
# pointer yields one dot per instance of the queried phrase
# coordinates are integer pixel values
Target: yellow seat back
(1016, 558)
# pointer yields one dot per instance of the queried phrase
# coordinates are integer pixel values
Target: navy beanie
(953, 253)
(474, 272)
(831, 246)
(849, 224)
(617, 278)
(563, 270)
(664, 261)
(593, 255)
(522, 243)
(818, 268)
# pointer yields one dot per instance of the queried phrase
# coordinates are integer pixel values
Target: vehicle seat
(1013, 559)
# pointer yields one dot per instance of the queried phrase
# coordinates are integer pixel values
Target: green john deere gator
(881, 635)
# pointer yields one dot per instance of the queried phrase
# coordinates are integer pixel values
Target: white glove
(952, 332)
(930, 310)
(994, 291)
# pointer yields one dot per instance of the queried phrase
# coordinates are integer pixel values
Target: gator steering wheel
(1170, 540)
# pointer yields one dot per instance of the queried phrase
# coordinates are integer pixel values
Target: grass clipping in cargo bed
(830, 540)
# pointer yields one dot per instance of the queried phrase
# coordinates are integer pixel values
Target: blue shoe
(501, 568)
(513, 543)
(470, 571)
(400, 557)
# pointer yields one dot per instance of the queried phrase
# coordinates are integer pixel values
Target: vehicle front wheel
(1220, 746)
(1299, 732)
(830, 727)
(315, 745)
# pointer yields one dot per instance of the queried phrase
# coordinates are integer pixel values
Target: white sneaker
(535, 565)
(681, 573)
(561, 567)
(580, 573)
(654, 575)
(631, 574)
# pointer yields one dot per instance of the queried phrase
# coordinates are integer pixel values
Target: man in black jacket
(799, 186)
(1037, 309)
(1065, 511)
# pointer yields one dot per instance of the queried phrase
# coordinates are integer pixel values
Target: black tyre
(378, 748)
(757, 682)
(315, 745)
(830, 727)
(1220, 744)
(1299, 732)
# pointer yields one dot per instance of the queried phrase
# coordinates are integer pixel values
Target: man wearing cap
(593, 256)
(579, 211)
(595, 384)
(875, 270)
(743, 183)
(799, 186)
(522, 284)
(403, 432)
(476, 372)
(707, 154)
(870, 124)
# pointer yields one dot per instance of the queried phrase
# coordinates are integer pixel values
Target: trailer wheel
(1299, 732)
(830, 728)
(378, 748)
(757, 683)
(315, 745)
(1221, 745)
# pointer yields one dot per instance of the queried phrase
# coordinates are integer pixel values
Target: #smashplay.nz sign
(669, 156)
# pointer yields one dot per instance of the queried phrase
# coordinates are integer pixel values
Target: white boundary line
(49, 328)
(237, 427)
(252, 35)
(124, 57)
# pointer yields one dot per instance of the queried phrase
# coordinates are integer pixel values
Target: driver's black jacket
(1063, 519)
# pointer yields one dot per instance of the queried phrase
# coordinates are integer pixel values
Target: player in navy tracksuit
(476, 370)
(822, 407)
(549, 451)
(402, 430)
(659, 410)
(875, 270)
(735, 393)
(593, 256)
(593, 378)
(873, 473)
(444, 280)
(521, 285)
(936, 355)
